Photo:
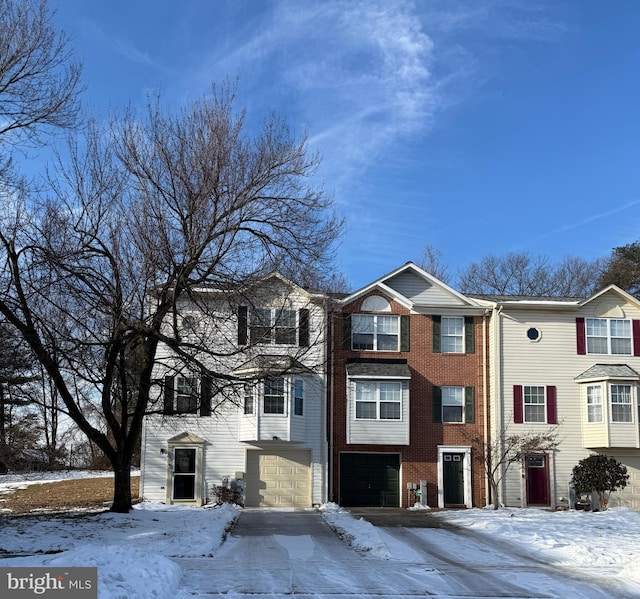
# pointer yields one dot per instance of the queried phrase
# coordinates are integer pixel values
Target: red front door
(537, 478)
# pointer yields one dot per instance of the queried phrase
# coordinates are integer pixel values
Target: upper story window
(186, 395)
(375, 332)
(534, 404)
(621, 408)
(378, 400)
(273, 399)
(594, 403)
(608, 336)
(273, 325)
(279, 326)
(249, 401)
(298, 397)
(453, 334)
(452, 404)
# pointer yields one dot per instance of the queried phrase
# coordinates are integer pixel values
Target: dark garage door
(369, 479)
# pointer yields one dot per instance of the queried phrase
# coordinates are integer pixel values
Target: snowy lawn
(133, 551)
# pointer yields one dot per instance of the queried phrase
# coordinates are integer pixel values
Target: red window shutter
(551, 405)
(517, 404)
(581, 337)
(636, 337)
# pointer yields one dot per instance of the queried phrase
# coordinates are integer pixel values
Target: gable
(611, 304)
(421, 291)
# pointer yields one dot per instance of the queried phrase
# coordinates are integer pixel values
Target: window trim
(551, 407)
(280, 381)
(625, 404)
(273, 332)
(595, 404)
(375, 333)
(377, 400)
(462, 406)
(249, 400)
(610, 338)
(298, 397)
(193, 397)
(534, 404)
(448, 336)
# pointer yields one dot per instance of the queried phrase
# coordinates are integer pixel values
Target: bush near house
(599, 473)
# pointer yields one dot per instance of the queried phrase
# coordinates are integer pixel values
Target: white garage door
(630, 496)
(281, 479)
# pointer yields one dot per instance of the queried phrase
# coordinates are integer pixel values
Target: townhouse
(570, 366)
(255, 423)
(387, 396)
(408, 383)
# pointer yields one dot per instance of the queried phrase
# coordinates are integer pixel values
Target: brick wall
(428, 369)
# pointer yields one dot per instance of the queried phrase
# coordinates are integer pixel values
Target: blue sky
(478, 127)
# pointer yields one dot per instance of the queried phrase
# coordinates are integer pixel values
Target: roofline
(379, 283)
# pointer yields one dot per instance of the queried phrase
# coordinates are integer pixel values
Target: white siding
(229, 433)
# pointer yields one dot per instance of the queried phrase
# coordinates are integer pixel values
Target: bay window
(378, 400)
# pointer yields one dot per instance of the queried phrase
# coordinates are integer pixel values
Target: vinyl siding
(378, 432)
(553, 360)
(421, 292)
(228, 433)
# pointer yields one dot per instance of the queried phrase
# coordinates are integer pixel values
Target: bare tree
(39, 81)
(521, 274)
(431, 261)
(149, 211)
(499, 453)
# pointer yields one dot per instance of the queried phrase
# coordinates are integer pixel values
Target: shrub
(601, 474)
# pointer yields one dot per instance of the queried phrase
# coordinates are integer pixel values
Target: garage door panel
(280, 479)
(370, 480)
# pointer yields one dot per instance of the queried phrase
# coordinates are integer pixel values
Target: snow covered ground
(133, 552)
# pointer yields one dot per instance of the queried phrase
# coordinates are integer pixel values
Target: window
(248, 400)
(378, 401)
(594, 403)
(375, 332)
(186, 395)
(298, 397)
(273, 325)
(452, 404)
(608, 336)
(452, 331)
(621, 410)
(534, 404)
(274, 396)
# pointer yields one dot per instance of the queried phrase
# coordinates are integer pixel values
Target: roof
(608, 371)
(269, 365)
(375, 368)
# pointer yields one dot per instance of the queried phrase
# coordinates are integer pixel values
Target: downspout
(485, 400)
(497, 375)
(331, 326)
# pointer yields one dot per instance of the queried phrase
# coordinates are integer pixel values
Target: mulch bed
(64, 495)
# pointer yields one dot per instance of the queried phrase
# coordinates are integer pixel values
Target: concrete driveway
(296, 554)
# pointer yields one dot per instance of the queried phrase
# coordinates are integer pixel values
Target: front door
(184, 473)
(453, 472)
(537, 479)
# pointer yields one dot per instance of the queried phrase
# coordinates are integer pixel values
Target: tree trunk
(494, 491)
(122, 502)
